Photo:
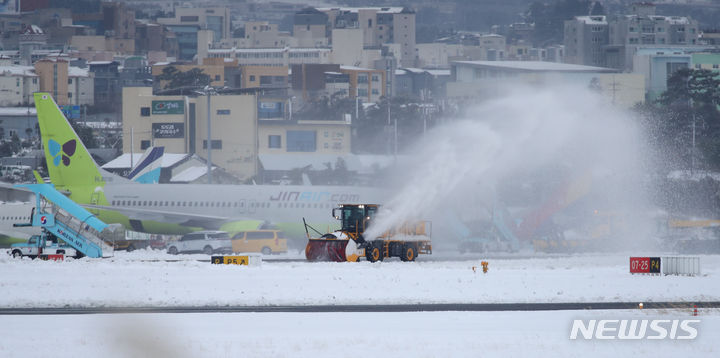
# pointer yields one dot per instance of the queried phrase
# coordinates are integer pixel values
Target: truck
(406, 240)
(43, 244)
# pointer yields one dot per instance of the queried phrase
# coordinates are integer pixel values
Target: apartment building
(263, 76)
(17, 84)
(599, 41)
(585, 40)
(53, 78)
(188, 21)
(380, 26)
(365, 83)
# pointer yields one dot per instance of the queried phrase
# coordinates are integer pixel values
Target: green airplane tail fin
(68, 161)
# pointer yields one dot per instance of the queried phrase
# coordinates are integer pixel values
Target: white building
(17, 84)
(80, 86)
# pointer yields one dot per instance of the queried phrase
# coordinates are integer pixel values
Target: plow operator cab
(349, 243)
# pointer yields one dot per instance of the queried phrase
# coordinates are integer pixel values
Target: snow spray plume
(563, 132)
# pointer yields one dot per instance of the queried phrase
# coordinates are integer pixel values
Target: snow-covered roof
(123, 161)
(381, 10)
(27, 71)
(99, 62)
(78, 72)
(17, 111)
(439, 72)
(413, 69)
(355, 68)
(539, 66)
(190, 174)
(592, 20)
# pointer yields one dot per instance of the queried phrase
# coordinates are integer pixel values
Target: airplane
(181, 208)
(12, 213)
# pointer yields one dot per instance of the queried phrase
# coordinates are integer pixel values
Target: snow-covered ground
(418, 334)
(138, 279)
(144, 278)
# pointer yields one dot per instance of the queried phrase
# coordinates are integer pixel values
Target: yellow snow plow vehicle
(405, 241)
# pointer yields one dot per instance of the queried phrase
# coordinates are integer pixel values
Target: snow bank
(130, 281)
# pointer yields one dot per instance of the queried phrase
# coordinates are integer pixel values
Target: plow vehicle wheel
(374, 252)
(409, 252)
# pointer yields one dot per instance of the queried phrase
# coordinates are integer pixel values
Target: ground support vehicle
(43, 244)
(405, 241)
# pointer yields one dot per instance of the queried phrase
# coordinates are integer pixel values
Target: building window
(252, 78)
(715, 66)
(375, 91)
(145, 111)
(362, 92)
(34, 81)
(375, 78)
(216, 144)
(217, 77)
(69, 81)
(301, 141)
(69, 94)
(274, 141)
(362, 78)
(189, 18)
(697, 66)
(223, 112)
(144, 144)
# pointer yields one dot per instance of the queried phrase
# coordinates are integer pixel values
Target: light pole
(290, 104)
(208, 91)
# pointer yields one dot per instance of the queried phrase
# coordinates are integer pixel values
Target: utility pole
(132, 149)
(209, 138)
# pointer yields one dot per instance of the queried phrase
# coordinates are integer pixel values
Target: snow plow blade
(323, 249)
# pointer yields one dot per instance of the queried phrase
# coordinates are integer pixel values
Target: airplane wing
(188, 219)
(8, 192)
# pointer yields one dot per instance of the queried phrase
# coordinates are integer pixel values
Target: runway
(443, 307)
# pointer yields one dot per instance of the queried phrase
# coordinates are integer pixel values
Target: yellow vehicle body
(264, 241)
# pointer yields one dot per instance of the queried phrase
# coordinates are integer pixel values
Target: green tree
(85, 133)
(376, 133)
(177, 79)
(690, 111)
